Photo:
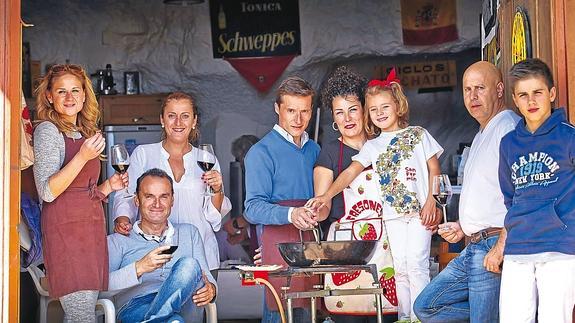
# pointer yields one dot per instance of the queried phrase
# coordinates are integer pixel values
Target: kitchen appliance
(317, 258)
(108, 81)
(104, 81)
(255, 275)
(131, 137)
(99, 81)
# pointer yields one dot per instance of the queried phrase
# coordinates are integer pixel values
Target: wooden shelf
(131, 109)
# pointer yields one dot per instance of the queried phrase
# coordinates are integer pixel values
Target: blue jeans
(166, 304)
(464, 291)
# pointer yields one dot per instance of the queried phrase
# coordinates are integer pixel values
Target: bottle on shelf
(109, 80)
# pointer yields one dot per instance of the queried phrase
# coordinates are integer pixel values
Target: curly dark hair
(343, 82)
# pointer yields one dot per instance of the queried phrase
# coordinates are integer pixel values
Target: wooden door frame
(564, 55)
(10, 105)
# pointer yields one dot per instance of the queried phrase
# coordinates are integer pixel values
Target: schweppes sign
(255, 28)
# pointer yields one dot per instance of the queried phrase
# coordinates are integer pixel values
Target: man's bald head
(483, 91)
(490, 70)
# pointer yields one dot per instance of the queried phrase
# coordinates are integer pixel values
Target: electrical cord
(277, 298)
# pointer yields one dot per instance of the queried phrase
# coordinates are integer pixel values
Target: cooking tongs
(317, 234)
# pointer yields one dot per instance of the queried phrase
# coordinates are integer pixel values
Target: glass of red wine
(172, 241)
(442, 192)
(206, 161)
(120, 161)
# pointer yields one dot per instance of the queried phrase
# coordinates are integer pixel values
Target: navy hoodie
(537, 178)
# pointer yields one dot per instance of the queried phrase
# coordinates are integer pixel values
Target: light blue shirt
(289, 137)
(124, 251)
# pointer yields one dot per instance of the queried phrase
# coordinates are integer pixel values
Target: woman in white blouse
(176, 155)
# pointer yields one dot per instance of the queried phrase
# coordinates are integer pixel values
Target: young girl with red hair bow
(405, 159)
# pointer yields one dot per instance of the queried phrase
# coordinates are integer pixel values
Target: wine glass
(173, 241)
(206, 161)
(442, 192)
(120, 161)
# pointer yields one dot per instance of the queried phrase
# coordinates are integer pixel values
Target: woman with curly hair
(405, 159)
(344, 95)
(67, 144)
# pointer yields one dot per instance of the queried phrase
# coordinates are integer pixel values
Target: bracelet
(218, 191)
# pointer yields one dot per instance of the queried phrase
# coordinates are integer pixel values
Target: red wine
(441, 198)
(170, 251)
(121, 168)
(205, 166)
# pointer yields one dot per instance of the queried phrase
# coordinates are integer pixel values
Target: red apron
(362, 220)
(74, 232)
(273, 234)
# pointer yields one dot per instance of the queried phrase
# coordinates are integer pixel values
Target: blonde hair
(177, 96)
(396, 92)
(88, 117)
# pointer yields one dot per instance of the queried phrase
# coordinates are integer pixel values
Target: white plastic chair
(103, 306)
(211, 313)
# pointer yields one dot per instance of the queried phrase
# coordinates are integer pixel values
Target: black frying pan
(335, 253)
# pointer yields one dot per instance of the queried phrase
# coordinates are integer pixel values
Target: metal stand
(289, 310)
(377, 291)
(313, 309)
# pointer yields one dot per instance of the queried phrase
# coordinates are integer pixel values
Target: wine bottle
(221, 18)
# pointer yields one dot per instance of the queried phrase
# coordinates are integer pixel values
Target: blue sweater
(124, 251)
(277, 170)
(537, 177)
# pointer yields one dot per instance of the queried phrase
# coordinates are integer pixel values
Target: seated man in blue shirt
(157, 286)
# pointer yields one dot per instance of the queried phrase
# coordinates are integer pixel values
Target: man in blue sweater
(157, 283)
(279, 180)
(537, 176)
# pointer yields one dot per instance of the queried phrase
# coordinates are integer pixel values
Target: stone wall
(171, 48)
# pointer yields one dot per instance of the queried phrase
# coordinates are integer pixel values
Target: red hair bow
(391, 78)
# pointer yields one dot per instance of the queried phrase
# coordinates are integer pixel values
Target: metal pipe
(313, 310)
(289, 311)
(378, 304)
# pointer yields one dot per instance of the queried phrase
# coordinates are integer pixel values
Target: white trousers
(410, 245)
(547, 288)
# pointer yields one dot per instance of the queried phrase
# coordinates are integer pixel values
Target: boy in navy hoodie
(537, 178)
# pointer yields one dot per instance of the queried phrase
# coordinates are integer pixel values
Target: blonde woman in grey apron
(67, 145)
(354, 214)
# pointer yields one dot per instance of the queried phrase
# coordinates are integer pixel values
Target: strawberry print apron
(362, 221)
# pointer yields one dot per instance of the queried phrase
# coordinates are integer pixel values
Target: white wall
(171, 47)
